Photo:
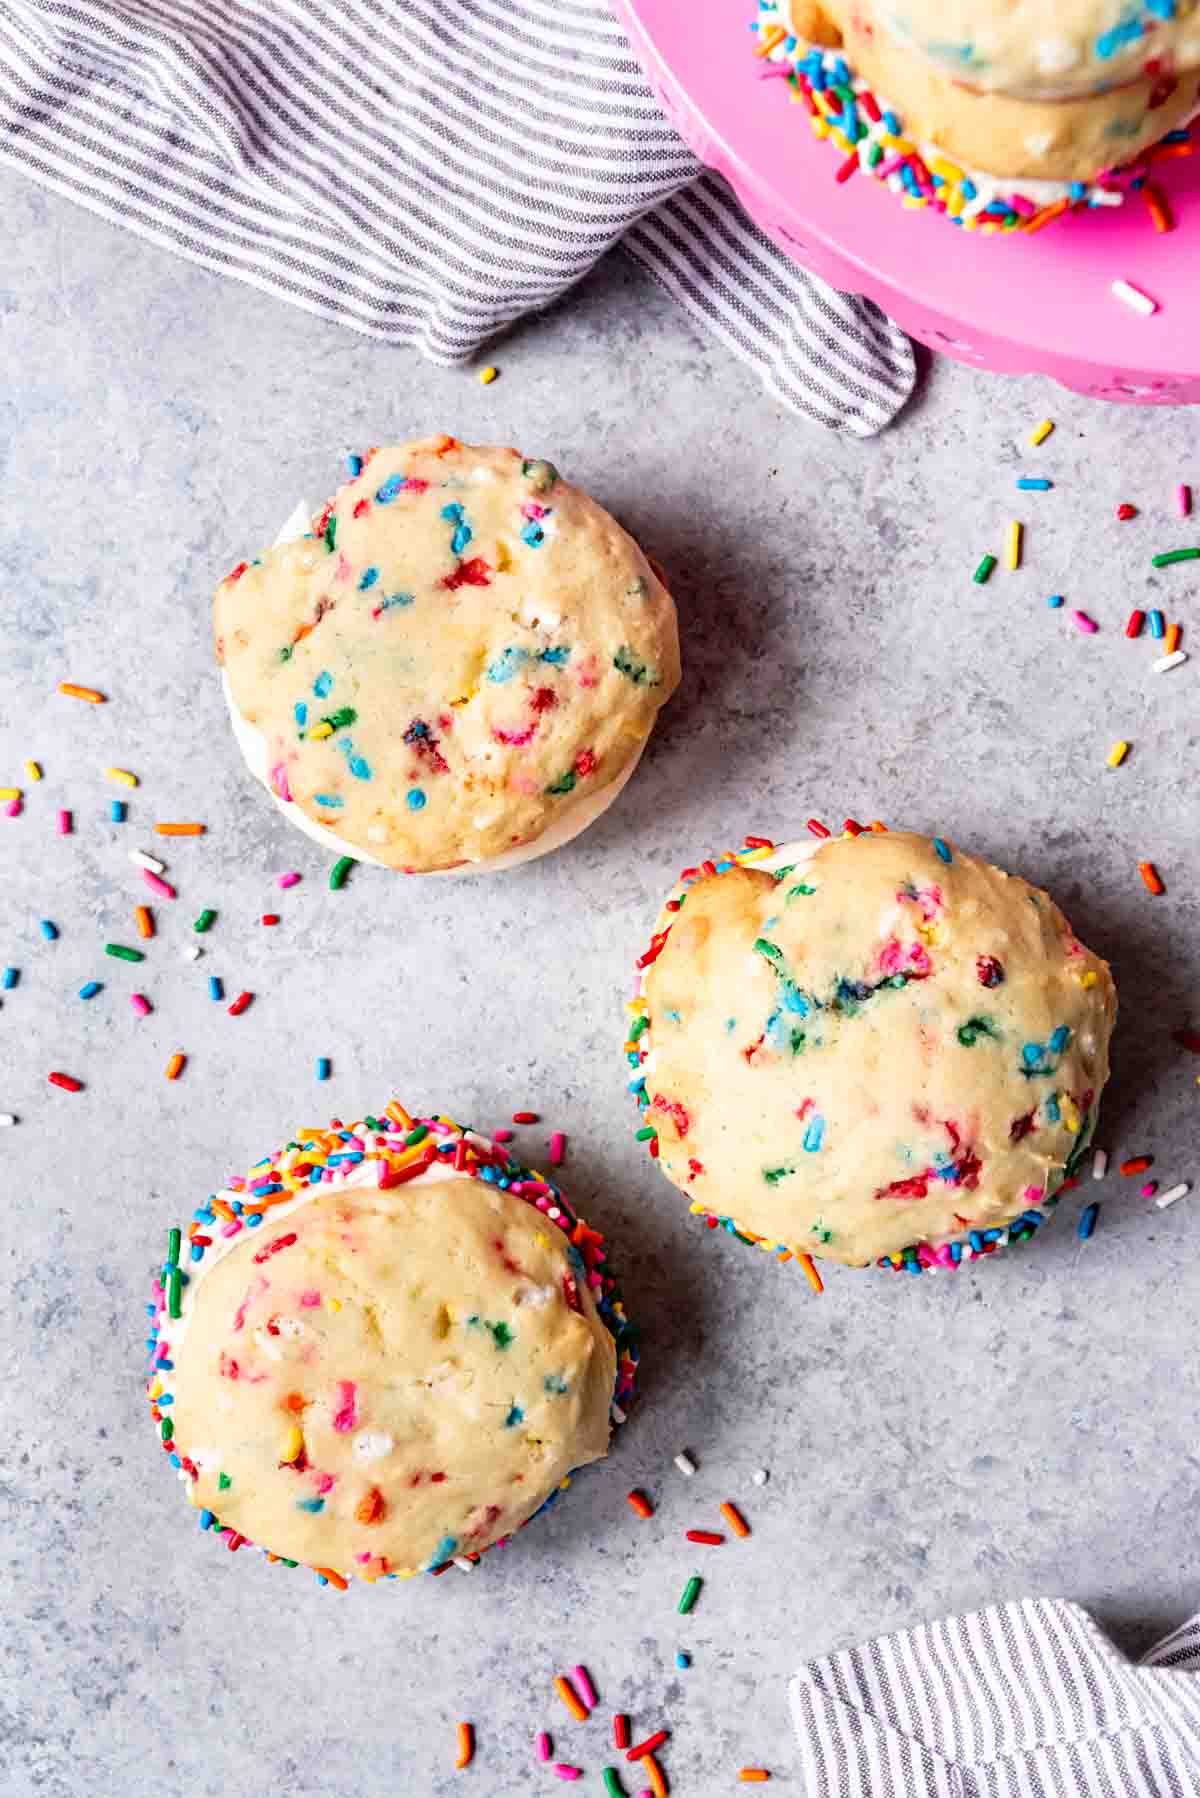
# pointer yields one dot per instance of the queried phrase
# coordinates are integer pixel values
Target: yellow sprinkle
(1088, 979)
(1070, 1114)
(7, 793)
(318, 731)
(503, 557)
(334, 1304)
(901, 145)
(1040, 432)
(754, 855)
(157, 1390)
(1016, 532)
(912, 202)
(293, 1444)
(841, 140)
(947, 170)
(488, 375)
(819, 128)
(122, 776)
(1117, 754)
(33, 770)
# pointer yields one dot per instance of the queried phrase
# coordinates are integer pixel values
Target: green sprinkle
(204, 921)
(773, 1175)
(642, 1024)
(771, 950)
(223, 1482)
(984, 570)
(795, 892)
(343, 719)
(565, 783)
(285, 654)
(646, 1133)
(415, 1136)
(540, 474)
(121, 953)
(174, 1287)
(635, 668)
(168, 1429)
(339, 872)
(612, 1783)
(1174, 555)
(174, 1244)
(501, 1335)
(691, 1593)
(331, 534)
(970, 1032)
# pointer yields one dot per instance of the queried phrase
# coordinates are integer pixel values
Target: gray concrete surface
(932, 1443)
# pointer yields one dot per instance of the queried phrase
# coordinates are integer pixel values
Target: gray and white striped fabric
(423, 171)
(1024, 1700)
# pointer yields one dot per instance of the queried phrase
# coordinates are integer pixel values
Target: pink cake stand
(1017, 304)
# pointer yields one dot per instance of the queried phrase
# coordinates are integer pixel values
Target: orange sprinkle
(144, 921)
(810, 1273)
(73, 692)
(397, 1112)
(176, 1066)
(224, 1209)
(1152, 878)
(1174, 632)
(876, 824)
(1157, 207)
(371, 1508)
(1137, 1164)
(571, 1699)
(180, 830)
(1041, 219)
(466, 1745)
(753, 1776)
(770, 40)
(734, 1519)
(640, 1503)
(656, 1776)
(335, 1579)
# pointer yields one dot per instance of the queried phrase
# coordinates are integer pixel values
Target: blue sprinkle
(48, 930)
(323, 685)
(252, 1219)
(116, 811)
(1087, 1223)
(416, 799)
(515, 1416)
(1051, 1108)
(1109, 42)
(355, 466)
(360, 769)
(1157, 627)
(207, 1519)
(89, 989)
(1031, 1054)
(507, 663)
(300, 713)
(215, 988)
(315, 1505)
(683, 1660)
(329, 800)
(453, 514)
(322, 1067)
(395, 483)
(1027, 484)
(1054, 601)
(395, 599)
(533, 534)
(553, 1382)
(1060, 1039)
(11, 976)
(557, 658)
(197, 1253)
(969, 189)
(942, 849)
(443, 1552)
(814, 1136)
(367, 579)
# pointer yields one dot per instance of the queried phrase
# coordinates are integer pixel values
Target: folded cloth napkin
(424, 171)
(1026, 1700)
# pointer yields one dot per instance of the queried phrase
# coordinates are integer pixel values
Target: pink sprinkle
(586, 1689)
(323, 1482)
(1020, 204)
(1183, 499)
(558, 1147)
(1087, 625)
(140, 1004)
(310, 1300)
(1149, 1189)
(13, 809)
(279, 782)
(502, 1135)
(231, 1229)
(543, 1746)
(290, 880)
(345, 1417)
(565, 1772)
(163, 888)
(64, 824)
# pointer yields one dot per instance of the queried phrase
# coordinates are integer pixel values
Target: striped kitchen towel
(424, 171)
(1025, 1700)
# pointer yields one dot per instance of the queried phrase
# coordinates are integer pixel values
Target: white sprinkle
(1168, 1198)
(141, 860)
(1099, 1164)
(760, 1476)
(7, 1118)
(685, 1464)
(462, 1562)
(616, 1413)
(1134, 297)
(191, 952)
(1166, 663)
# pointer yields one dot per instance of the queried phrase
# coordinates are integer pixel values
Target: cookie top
(1033, 50)
(464, 653)
(394, 1368)
(879, 1042)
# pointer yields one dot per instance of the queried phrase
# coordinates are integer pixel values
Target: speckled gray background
(932, 1444)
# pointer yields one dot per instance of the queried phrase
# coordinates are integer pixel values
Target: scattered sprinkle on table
(1151, 877)
(1117, 753)
(1134, 623)
(122, 776)
(620, 1730)
(753, 1776)
(1099, 1164)
(525, 1117)
(1134, 298)
(1082, 622)
(544, 1745)
(90, 694)
(637, 1501)
(66, 1082)
(760, 1476)
(339, 872)
(570, 1698)
(90, 988)
(1183, 499)
(1174, 632)
(7, 1119)
(654, 1773)
(191, 952)
(204, 921)
(48, 930)
(216, 987)
(33, 770)
(180, 830)
(1172, 1194)
(116, 811)
(1040, 432)
(158, 885)
(558, 1148)
(140, 1004)
(144, 921)
(565, 1771)
(685, 1464)
(119, 952)
(269, 917)
(1158, 628)
(290, 879)
(1167, 558)
(322, 1067)
(1137, 1164)
(983, 571)
(488, 375)
(1164, 665)
(1148, 1190)
(710, 1538)
(1054, 601)
(1087, 1221)
(612, 1783)
(1125, 511)
(642, 1749)
(690, 1594)
(1016, 535)
(1034, 484)
(584, 1686)
(176, 1066)
(466, 1746)
(151, 863)
(10, 979)
(734, 1519)
(239, 1005)
(8, 794)
(683, 1660)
